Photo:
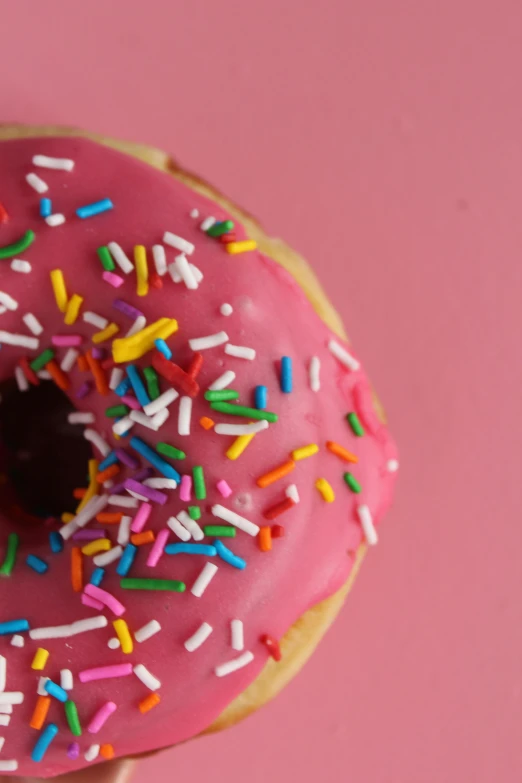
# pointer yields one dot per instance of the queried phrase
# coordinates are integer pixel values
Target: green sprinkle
(220, 531)
(153, 584)
(8, 251)
(116, 410)
(352, 482)
(106, 259)
(42, 360)
(355, 424)
(218, 229)
(13, 539)
(194, 512)
(169, 451)
(200, 489)
(242, 410)
(151, 377)
(221, 394)
(71, 713)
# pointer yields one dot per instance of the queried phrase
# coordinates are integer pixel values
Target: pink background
(384, 140)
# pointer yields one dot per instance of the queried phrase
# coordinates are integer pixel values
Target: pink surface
(383, 140)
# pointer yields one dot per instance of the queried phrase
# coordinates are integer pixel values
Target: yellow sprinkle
(142, 272)
(66, 517)
(127, 349)
(105, 334)
(241, 247)
(325, 489)
(94, 547)
(92, 489)
(238, 446)
(60, 291)
(123, 634)
(40, 659)
(73, 309)
(305, 451)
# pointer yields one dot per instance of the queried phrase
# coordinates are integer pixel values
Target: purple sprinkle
(141, 475)
(97, 353)
(88, 535)
(148, 492)
(73, 751)
(127, 309)
(127, 459)
(84, 390)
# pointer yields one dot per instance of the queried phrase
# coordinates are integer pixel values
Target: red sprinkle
(278, 508)
(99, 376)
(278, 531)
(155, 281)
(195, 365)
(4, 217)
(29, 374)
(272, 646)
(174, 374)
(226, 238)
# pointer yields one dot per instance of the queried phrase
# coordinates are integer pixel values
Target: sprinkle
(107, 751)
(352, 483)
(148, 679)
(147, 631)
(206, 423)
(142, 272)
(97, 578)
(238, 446)
(223, 488)
(56, 374)
(207, 223)
(160, 261)
(73, 751)
(199, 482)
(151, 377)
(343, 356)
(120, 258)
(66, 679)
(178, 529)
(101, 716)
(37, 564)
(234, 665)
(124, 531)
(43, 742)
(137, 385)
(223, 227)
(73, 309)
(138, 326)
(123, 426)
(204, 579)
(161, 402)
(106, 259)
(12, 697)
(105, 598)
(55, 220)
(17, 641)
(366, 520)
(221, 395)
(139, 539)
(116, 410)
(158, 548)
(226, 309)
(4, 217)
(240, 351)
(228, 556)
(325, 490)
(106, 558)
(93, 547)
(223, 381)
(73, 721)
(91, 753)
(105, 334)
(279, 508)
(7, 338)
(144, 492)
(69, 360)
(191, 549)
(260, 397)
(341, 452)
(169, 451)
(174, 374)
(8, 765)
(235, 519)
(355, 424)
(211, 341)
(95, 320)
(65, 631)
(7, 301)
(185, 411)
(304, 452)
(55, 691)
(76, 569)
(272, 646)
(198, 638)
(149, 702)
(163, 348)
(241, 247)
(40, 659)
(178, 242)
(33, 324)
(18, 265)
(133, 347)
(392, 465)
(63, 164)
(170, 585)
(105, 672)
(97, 373)
(274, 475)
(236, 628)
(96, 439)
(60, 292)
(140, 520)
(242, 410)
(21, 380)
(96, 208)
(36, 183)
(286, 375)
(126, 560)
(40, 712)
(265, 538)
(184, 270)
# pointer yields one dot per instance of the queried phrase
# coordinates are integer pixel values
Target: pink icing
(271, 315)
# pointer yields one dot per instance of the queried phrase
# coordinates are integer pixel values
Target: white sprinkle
(148, 679)
(226, 309)
(160, 418)
(69, 359)
(160, 483)
(93, 507)
(146, 421)
(202, 582)
(55, 220)
(5, 720)
(123, 425)
(178, 529)
(105, 558)
(64, 631)
(114, 643)
(235, 519)
(97, 441)
(120, 258)
(392, 465)
(64, 164)
(178, 242)
(211, 341)
(314, 370)
(18, 265)
(185, 412)
(139, 324)
(174, 274)
(12, 697)
(196, 271)
(3, 673)
(91, 753)
(66, 679)
(344, 357)
(8, 765)
(124, 531)
(183, 267)
(7, 301)
(197, 639)
(95, 320)
(116, 377)
(36, 183)
(207, 223)
(6, 709)
(17, 640)
(241, 429)
(123, 500)
(7, 338)
(292, 493)
(191, 525)
(163, 401)
(146, 631)
(194, 213)
(160, 259)
(223, 381)
(40, 688)
(234, 665)
(21, 380)
(81, 418)
(365, 518)
(32, 323)
(44, 375)
(238, 642)
(2, 740)
(240, 351)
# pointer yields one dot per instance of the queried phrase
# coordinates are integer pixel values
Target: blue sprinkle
(13, 626)
(110, 459)
(126, 560)
(228, 556)
(191, 549)
(137, 385)
(37, 564)
(43, 741)
(46, 207)
(94, 209)
(155, 460)
(55, 542)
(97, 576)
(260, 397)
(286, 374)
(55, 691)
(163, 348)
(123, 387)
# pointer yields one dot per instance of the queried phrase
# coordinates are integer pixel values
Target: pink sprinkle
(157, 548)
(101, 716)
(185, 489)
(112, 279)
(140, 520)
(92, 602)
(106, 598)
(131, 401)
(106, 672)
(66, 339)
(224, 488)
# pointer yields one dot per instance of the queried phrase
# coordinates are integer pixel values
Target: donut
(193, 461)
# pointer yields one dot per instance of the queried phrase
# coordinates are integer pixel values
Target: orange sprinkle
(40, 712)
(107, 751)
(82, 363)
(108, 473)
(206, 423)
(341, 452)
(99, 376)
(29, 374)
(142, 538)
(79, 493)
(265, 538)
(109, 517)
(274, 475)
(58, 375)
(149, 702)
(76, 569)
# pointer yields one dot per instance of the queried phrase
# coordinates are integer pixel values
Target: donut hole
(43, 458)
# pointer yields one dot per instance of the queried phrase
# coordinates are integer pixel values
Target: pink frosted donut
(191, 459)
